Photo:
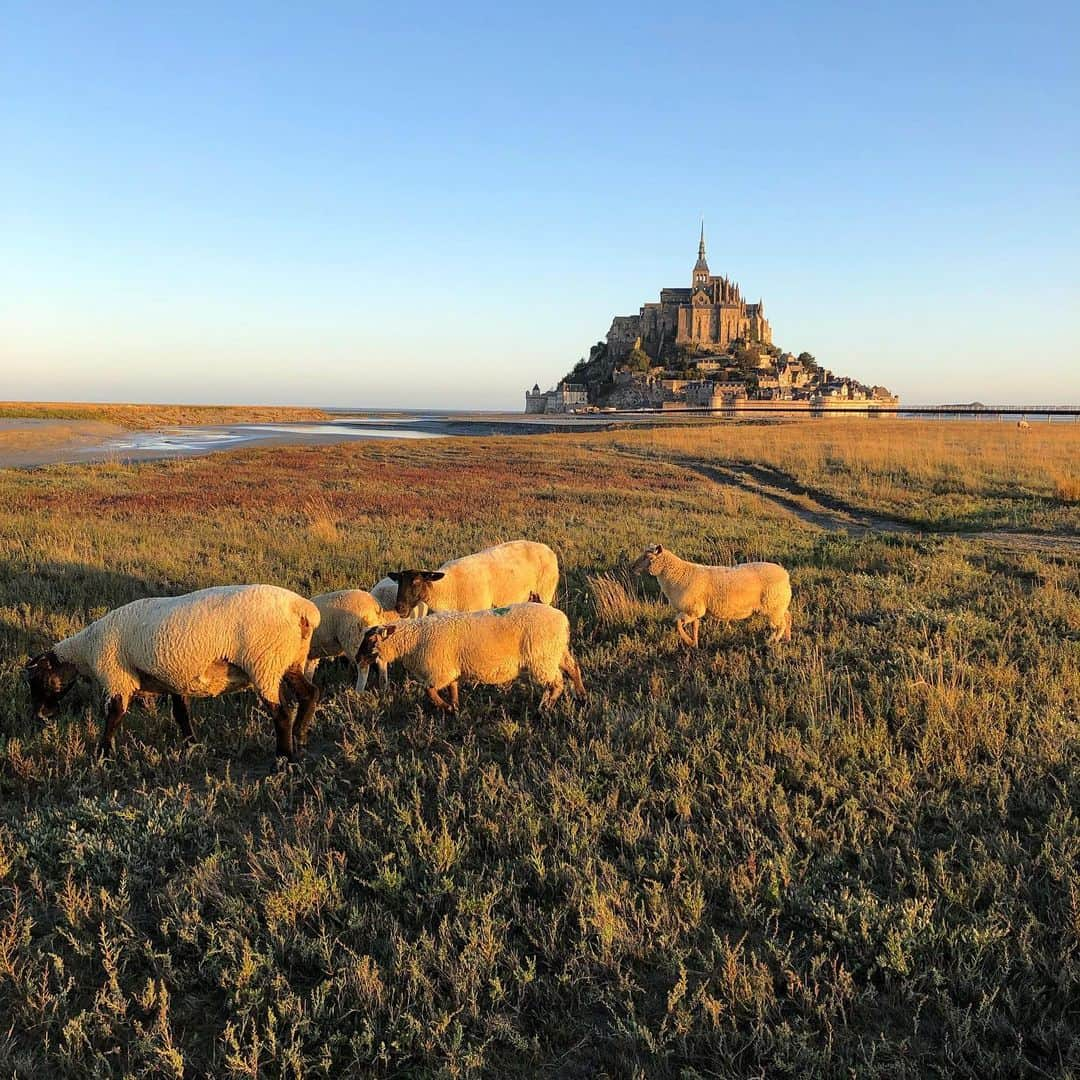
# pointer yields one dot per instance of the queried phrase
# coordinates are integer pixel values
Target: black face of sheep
(413, 587)
(368, 653)
(50, 679)
(644, 562)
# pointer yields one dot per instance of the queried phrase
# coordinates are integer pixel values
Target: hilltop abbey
(709, 317)
(700, 347)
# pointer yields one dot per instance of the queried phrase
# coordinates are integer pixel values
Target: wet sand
(28, 443)
(24, 443)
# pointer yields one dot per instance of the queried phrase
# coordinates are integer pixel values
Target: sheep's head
(49, 679)
(413, 588)
(368, 653)
(648, 562)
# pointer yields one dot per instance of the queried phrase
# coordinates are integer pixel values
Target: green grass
(854, 855)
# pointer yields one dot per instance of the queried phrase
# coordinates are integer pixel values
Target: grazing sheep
(385, 593)
(1023, 425)
(507, 573)
(206, 643)
(728, 592)
(490, 647)
(344, 617)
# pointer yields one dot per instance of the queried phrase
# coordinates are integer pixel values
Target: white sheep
(511, 573)
(491, 647)
(344, 617)
(727, 592)
(1022, 425)
(206, 643)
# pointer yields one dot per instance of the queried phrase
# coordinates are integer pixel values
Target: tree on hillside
(679, 356)
(638, 359)
(746, 358)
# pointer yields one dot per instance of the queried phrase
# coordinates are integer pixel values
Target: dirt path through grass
(832, 514)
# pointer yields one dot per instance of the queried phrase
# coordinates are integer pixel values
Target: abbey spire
(701, 267)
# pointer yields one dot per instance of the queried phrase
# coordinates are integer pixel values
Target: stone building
(564, 398)
(708, 316)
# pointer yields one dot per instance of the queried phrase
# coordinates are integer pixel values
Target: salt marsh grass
(934, 473)
(856, 854)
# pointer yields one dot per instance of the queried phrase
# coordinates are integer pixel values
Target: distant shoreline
(59, 433)
(30, 442)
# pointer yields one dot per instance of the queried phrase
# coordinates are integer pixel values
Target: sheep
(1022, 425)
(509, 573)
(214, 641)
(491, 647)
(728, 592)
(344, 616)
(385, 592)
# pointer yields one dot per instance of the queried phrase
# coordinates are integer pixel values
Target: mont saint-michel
(700, 346)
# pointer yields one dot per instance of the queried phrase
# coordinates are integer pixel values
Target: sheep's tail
(547, 584)
(569, 666)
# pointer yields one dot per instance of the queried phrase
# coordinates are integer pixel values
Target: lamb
(491, 647)
(214, 641)
(344, 617)
(728, 592)
(510, 573)
(1022, 425)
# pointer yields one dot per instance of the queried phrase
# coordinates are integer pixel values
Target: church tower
(701, 267)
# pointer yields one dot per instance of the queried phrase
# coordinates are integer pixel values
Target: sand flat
(25, 442)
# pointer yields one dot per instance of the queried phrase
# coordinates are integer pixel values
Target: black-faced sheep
(507, 573)
(206, 643)
(490, 647)
(344, 617)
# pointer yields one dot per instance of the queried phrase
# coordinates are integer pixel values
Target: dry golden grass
(937, 473)
(615, 600)
(322, 521)
(145, 417)
(1067, 486)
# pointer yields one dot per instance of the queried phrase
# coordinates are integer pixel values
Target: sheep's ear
(433, 575)
(387, 631)
(658, 550)
(395, 576)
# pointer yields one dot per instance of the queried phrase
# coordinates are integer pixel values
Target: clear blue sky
(423, 205)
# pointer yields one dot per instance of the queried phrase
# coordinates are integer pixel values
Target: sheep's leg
(436, 699)
(283, 729)
(552, 693)
(310, 668)
(181, 710)
(781, 629)
(308, 696)
(453, 688)
(569, 666)
(114, 713)
(384, 674)
(681, 623)
(362, 672)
